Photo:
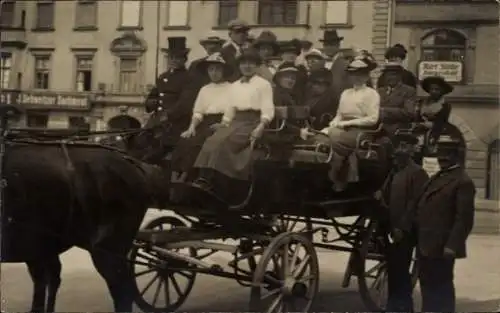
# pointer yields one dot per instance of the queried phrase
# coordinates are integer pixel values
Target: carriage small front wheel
(159, 286)
(287, 276)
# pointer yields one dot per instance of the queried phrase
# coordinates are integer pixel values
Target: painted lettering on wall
(451, 71)
(44, 100)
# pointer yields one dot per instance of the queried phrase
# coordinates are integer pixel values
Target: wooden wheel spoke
(300, 268)
(149, 284)
(276, 305)
(374, 269)
(176, 285)
(294, 223)
(295, 256)
(149, 270)
(271, 293)
(157, 292)
(305, 279)
(285, 263)
(167, 293)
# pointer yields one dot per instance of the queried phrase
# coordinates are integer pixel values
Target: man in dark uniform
(444, 219)
(238, 35)
(406, 185)
(397, 100)
(397, 54)
(212, 43)
(336, 63)
(171, 100)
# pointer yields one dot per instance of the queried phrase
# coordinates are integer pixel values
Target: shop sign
(451, 71)
(45, 100)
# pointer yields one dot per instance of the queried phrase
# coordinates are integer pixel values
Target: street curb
(487, 217)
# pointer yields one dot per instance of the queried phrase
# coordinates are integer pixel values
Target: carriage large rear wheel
(292, 284)
(370, 266)
(159, 288)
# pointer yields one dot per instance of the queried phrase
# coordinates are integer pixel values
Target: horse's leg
(54, 281)
(114, 270)
(37, 271)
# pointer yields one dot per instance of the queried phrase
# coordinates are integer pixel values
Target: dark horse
(60, 194)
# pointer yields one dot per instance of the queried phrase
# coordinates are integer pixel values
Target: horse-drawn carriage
(272, 236)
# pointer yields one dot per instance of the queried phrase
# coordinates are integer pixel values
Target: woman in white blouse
(358, 110)
(209, 107)
(226, 157)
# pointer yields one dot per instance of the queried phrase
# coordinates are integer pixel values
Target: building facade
(459, 40)
(93, 62)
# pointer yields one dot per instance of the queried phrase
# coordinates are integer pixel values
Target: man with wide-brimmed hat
(336, 62)
(267, 46)
(397, 100)
(397, 54)
(172, 98)
(444, 217)
(238, 37)
(212, 43)
(408, 179)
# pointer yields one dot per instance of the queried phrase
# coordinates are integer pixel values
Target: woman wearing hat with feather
(212, 44)
(226, 157)
(434, 111)
(358, 110)
(210, 105)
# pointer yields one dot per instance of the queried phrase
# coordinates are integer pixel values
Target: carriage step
(161, 237)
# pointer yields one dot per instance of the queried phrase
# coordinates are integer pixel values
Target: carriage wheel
(371, 268)
(163, 290)
(293, 284)
(284, 224)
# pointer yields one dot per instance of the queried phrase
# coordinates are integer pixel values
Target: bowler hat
(396, 51)
(250, 55)
(212, 38)
(267, 38)
(436, 80)
(215, 58)
(177, 45)
(238, 25)
(331, 36)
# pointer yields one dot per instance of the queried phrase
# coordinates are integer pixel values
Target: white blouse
(256, 94)
(212, 99)
(360, 106)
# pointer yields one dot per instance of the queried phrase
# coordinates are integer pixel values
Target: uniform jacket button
(161, 94)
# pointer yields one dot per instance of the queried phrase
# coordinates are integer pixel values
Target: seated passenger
(434, 111)
(290, 51)
(210, 105)
(397, 100)
(319, 98)
(358, 110)
(285, 80)
(226, 157)
(315, 60)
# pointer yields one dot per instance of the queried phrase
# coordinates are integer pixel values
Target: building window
(5, 71)
(131, 13)
(128, 75)
(86, 14)
(443, 45)
(7, 14)
(37, 120)
(42, 72)
(78, 123)
(336, 12)
(178, 13)
(84, 73)
(228, 10)
(277, 12)
(45, 14)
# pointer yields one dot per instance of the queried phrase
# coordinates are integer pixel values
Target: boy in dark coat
(232, 49)
(444, 219)
(397, 54)
(406, 185)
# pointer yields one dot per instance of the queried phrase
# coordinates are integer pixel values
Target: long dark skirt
(226, 159)
(187, 149)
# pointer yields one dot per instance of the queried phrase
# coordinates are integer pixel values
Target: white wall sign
(178, 13)
(451, 71)
(131, 13)
(336, 12)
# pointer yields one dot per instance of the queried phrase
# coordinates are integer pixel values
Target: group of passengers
(221, 105)
(224, 102)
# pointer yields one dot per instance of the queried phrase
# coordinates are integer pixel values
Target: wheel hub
(293, 288)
